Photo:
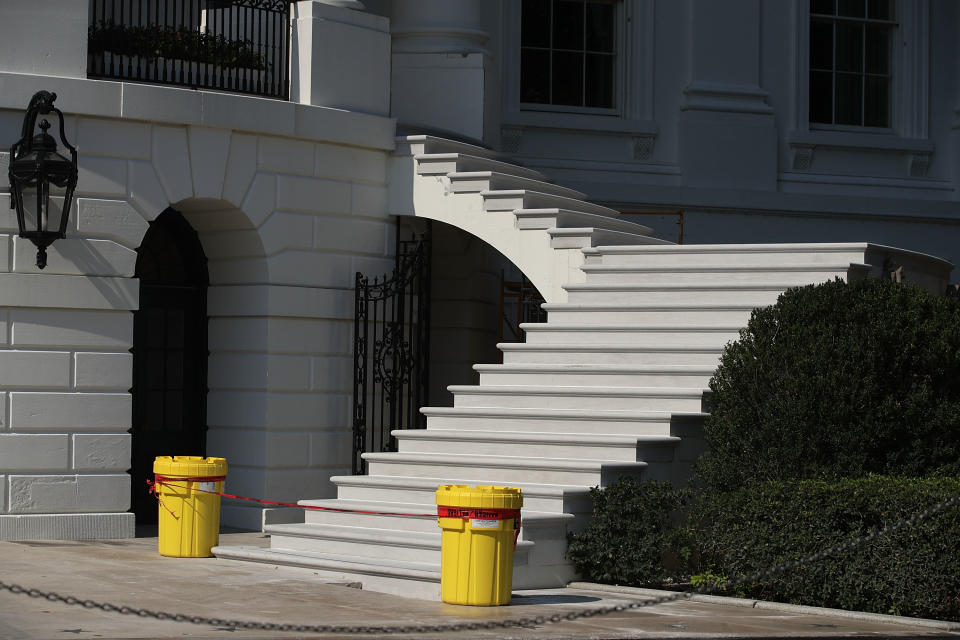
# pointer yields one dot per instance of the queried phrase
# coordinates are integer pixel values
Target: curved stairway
(612, 384)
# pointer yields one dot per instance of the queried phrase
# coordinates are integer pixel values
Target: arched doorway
(169, 353)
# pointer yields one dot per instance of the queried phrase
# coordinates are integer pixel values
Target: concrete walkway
(131, 572)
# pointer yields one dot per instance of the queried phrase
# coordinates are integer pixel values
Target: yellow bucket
(479, 527)
(189, 519)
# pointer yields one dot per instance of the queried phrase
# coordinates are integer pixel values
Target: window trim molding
(910, 67)
(633, 110)
(909, 100)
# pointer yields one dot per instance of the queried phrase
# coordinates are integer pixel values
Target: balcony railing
(240, 46)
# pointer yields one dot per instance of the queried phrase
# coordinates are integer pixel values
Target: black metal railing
(391, 351)
(519, 302)
(240, 46)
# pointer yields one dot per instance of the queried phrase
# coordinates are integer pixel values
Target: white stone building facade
(705, 127)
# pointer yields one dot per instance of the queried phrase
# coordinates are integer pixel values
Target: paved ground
(131, 572)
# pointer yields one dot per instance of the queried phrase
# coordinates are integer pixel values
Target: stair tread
(346, 563)
(569, 214)
(573, 204)
(575, 390)
(538, 437)
(521, 182)
(611, 347)
(422, 482)
(480, 161)
(626, 328)
(573, 414)
(596, 368)
(500, 461)
(408, 507)
(698, 286)
(647, 306)
(724, 268)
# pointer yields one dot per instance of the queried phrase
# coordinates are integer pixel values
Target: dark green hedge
(915, 572)
(629, 534)
(636, 535)
(838, 380)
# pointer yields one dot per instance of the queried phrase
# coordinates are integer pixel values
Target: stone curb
(944, 625)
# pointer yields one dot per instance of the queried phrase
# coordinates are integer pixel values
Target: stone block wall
(289, 201)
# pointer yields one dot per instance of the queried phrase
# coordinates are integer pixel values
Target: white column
(724, 112)
(339, 58)
(44, 38)
(443, 75)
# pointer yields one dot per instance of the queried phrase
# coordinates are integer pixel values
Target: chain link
(488, 624)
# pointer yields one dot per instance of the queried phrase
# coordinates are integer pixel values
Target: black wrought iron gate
(391, 352)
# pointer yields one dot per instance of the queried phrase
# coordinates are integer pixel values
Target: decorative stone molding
(711, 96)
(919, 163)
(643, 146)
(510, 138)
(802, 157)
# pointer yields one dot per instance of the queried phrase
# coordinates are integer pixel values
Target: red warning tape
(443, 511)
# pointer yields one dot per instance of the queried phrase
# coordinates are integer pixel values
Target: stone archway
(169, 352)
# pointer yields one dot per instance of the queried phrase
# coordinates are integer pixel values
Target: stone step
(502, 470)
(388, 575)
(551, 498)
(595, 375)
(748, 294)
(635, 335)
(416, 145)
(581, 237)
(795, 275)
(611, 354)
(369, 543)
(759, 255)
(568, 421)
(513, 199)
(361, 513)
(682, 314)
(392, 515)
(432, 164)
(550, 218)
(582, 446)
(584, 398)
(477, 181)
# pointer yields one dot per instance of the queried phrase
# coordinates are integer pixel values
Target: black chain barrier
(476, 626)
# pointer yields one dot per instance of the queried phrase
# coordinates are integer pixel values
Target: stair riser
(428, 497)
(493, 475)
(770, 260)
(512, 202)
(685, 296)
(538, 356)
(579, 402)
(684, 317)
(595, 379)
(622, 453)
(367, 550)
(760, 276)
(625, 427)
(422, 525)
(478, 184)
(443, 166)
(636, 338)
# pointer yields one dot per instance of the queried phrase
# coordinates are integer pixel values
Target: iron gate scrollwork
(391, 351)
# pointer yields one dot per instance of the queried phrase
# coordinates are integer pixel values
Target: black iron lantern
(42, 180)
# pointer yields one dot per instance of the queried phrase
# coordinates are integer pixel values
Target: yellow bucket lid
(486, 497)
(190, 466)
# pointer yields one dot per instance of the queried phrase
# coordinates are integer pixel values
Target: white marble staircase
(612, 384)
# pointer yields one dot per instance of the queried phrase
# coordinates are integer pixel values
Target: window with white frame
(568, 53)
(851, 62)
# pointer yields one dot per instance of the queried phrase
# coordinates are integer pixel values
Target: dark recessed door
(169, 353)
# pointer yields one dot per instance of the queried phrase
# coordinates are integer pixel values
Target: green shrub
(838, 380)
(913, 572)
(629, 533)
